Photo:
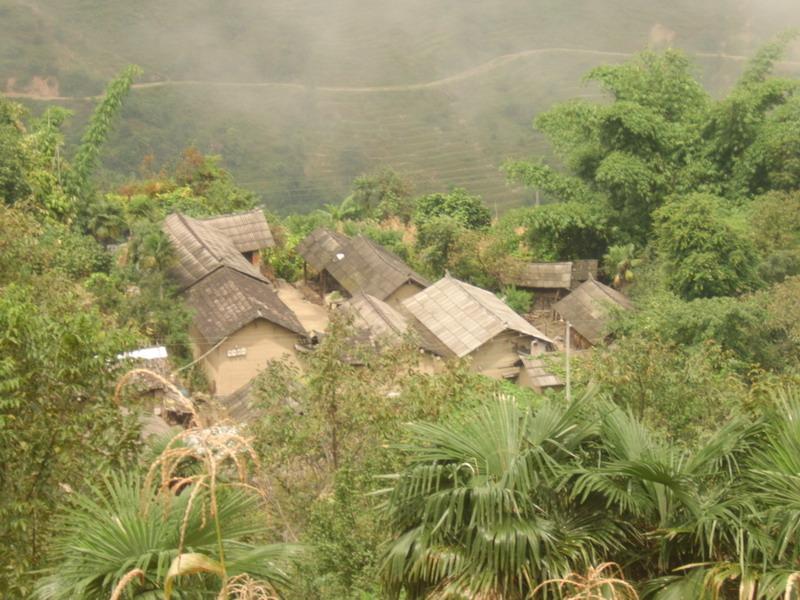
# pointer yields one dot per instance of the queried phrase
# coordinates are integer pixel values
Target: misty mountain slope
(464, 77)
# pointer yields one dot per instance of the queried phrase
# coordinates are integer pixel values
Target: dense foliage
(679, 462)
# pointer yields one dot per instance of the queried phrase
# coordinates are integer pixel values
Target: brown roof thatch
(201, 249)
(368, 267)
(358, 264)
(320, 246)
(248, 231)
(376, 316)
(551, 275)
(227, 300)
(463, 317)
(377, 320)
(539, 376)
(584, 269)
(589, 307)
(554, 275)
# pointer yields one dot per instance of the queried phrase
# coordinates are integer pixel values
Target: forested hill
(301, 96)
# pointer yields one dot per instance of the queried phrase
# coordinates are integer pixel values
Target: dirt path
(476, 71)
(313, 317)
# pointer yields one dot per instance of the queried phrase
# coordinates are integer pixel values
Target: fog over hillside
(300, 96)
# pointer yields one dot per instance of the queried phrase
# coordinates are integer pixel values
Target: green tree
(742, 129)
(383, 194)
(774, 220)
(563, 231)
(662, 135)
(704, 249)
(213, 189)
(96, 133)
(14, 185)
(58, 423)
(467, 210)
(437, 242)
(632, 152)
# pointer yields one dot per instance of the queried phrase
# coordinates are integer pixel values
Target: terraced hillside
(301, 96)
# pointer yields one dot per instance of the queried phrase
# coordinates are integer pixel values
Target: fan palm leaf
(478, 513)
(121, 526)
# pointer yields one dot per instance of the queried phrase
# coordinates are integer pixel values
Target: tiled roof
(320, 246)
(464, 317)
(551, 275)
(376, 316)
(368, 267)
(227, 300)
(358, 264)
(201, 249)
(554, 275)
(584, 269)
(588, 307)
(248, 231)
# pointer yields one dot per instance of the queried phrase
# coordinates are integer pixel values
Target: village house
(239, 321)
(456, 319)
(249, 232)
(353, 265)
(379, 324)
(374, 319)
(550, 281)
(588, 309)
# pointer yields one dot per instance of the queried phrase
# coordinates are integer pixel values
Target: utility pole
(567, 386)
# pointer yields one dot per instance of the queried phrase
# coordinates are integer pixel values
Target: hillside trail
(470, 73)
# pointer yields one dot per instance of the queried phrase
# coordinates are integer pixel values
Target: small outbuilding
(239, 322)
(458, 319)
(550, 281)
(359, 264)
(588, 309)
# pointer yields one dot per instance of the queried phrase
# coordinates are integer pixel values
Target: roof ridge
(380, 250)
(183, 218)
(380, 311)
(480, 303)
(231, 214)
(603, 288)
(222, 265)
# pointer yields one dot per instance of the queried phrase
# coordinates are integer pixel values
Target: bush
(519, 300)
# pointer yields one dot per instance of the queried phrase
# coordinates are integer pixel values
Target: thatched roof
(201, 249)
(584, 269)
(538, 373)
(377, 320)
(248, 231)
(554, 275)
(551, 275)
(358, 264)
(366, 266)
(224, 289)
(320, 246)
(227, 300)
(375, 316)
(463, 317)
(589, 307)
